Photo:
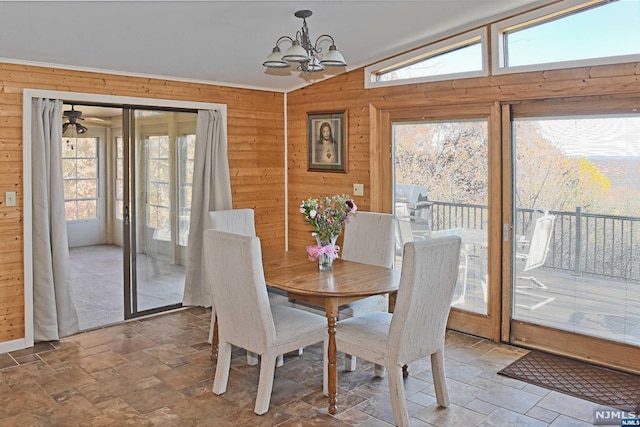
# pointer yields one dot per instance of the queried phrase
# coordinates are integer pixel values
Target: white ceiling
(224, 41)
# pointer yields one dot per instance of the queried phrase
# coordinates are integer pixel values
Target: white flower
(312, 213)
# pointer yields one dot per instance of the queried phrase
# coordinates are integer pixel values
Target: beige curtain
(54, 314)
(211, 191)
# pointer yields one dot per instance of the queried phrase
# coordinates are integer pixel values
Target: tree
(449, 159)
(546, 178)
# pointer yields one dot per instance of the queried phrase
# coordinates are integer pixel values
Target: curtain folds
(54, 314)
(211, 191)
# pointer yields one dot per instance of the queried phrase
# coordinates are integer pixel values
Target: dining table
(301, 279)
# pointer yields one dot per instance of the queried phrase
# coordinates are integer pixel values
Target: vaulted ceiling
(225, 42)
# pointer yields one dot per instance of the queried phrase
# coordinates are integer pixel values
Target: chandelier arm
(284, 38)
(322, 38)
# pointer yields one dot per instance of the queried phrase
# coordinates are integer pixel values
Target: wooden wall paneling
(255, 146)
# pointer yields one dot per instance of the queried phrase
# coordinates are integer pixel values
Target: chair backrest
(540, 240)
(369, 239)
(427, 282)
(239, 221)
(234, 266)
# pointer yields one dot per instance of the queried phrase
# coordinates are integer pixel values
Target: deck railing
(607, 245)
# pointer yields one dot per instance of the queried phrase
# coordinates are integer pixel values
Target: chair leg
(396, 390)
(380, 371)
(265, 384)
(222, 368)
(350, 362)
(213, 321)
(252, 358)
(439, 379)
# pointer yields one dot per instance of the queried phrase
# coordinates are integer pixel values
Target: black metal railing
(607, 245)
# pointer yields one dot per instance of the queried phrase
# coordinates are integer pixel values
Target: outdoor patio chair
(246, 318)
(534, 258)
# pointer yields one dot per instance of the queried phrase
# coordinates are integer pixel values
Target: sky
(609, 30)
(589, 136)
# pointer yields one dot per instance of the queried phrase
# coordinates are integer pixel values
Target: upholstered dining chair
(416, 328)
(369, 238)
(239, 221)
(246, 318)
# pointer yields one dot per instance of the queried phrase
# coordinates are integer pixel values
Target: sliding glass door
(441, 187)
(153, 203)
(576, 227)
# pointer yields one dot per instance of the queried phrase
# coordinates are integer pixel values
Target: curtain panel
(211, 191)
(54, 314)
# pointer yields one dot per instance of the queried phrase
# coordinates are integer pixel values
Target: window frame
(150, 182)
(184, 180)
(537, 17)
(76, 199)
(429, 51)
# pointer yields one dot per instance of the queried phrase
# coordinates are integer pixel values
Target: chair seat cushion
(361, 331)
(292, 323)
(372, 304)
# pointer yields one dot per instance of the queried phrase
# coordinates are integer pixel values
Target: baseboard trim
(14, 345)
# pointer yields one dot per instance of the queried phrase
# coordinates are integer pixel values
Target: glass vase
(325, 262)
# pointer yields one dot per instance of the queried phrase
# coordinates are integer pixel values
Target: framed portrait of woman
(327, 142)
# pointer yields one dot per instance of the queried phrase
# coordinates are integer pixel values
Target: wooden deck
(597, 306)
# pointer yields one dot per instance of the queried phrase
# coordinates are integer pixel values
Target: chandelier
(309, 56)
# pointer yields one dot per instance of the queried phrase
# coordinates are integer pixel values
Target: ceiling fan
(72, 117)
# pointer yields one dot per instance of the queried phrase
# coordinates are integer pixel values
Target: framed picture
(327, 142)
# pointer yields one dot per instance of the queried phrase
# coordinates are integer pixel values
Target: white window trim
(499, 28)
(427, 52)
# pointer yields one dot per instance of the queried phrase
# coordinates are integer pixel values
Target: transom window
(568, 34)
(80, 178)
(456, 57)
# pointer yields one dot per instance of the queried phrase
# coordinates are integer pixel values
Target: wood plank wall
(256, 158)
(346, 92)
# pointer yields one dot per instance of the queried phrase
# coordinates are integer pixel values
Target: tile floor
(157, 372)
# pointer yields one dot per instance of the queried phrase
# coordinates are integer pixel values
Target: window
(119, 177)
(186, 157)
(568, 34)
(158, 188)
(80, 178)
(457, 57)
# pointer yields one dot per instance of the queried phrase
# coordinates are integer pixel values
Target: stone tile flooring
(157, 372)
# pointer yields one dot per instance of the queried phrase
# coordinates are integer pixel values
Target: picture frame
(327, 141)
